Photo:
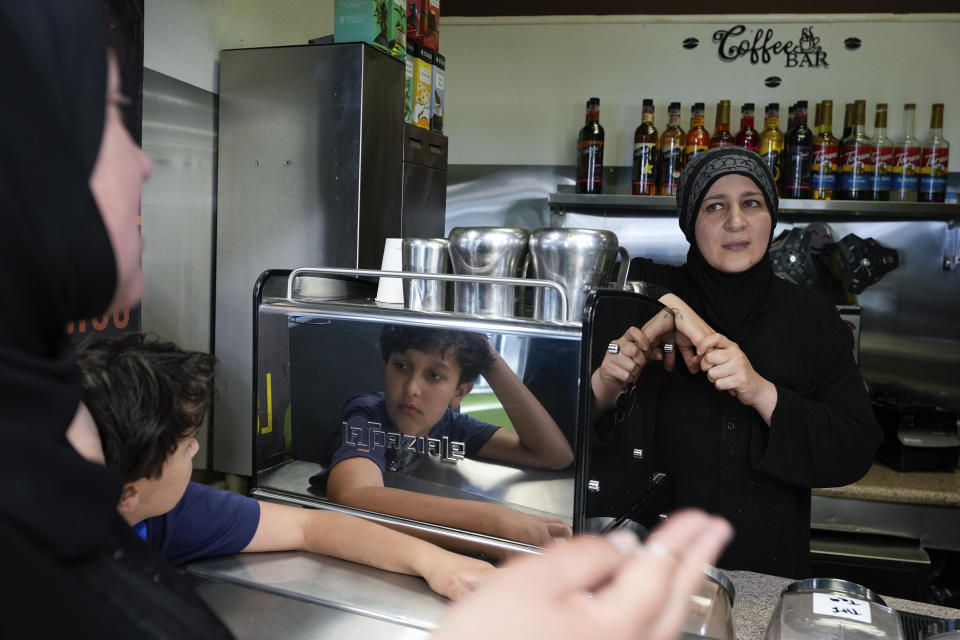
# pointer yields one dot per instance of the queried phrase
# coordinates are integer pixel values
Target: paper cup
(391, 289)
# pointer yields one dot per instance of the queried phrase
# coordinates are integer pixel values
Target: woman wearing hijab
(769, 402)
(70, 181)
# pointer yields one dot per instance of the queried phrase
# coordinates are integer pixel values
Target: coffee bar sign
(761, 46)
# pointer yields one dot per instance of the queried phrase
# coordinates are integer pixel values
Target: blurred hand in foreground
(607, 587)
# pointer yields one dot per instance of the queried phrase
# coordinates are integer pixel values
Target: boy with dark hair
(148, 397)
(427, 373)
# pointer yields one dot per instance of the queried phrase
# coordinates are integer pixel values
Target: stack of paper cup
(391, 289)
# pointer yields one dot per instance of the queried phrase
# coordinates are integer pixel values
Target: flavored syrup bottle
(771, 143)
(722, 136)
(590, 151)
(698, 138)
(934, 161)
(856, 171)
(882, 155)
(847, 122)
(747, 137)
(671, 153)
(907, 155)
(796, 169)
(645, 154)
(823, 161)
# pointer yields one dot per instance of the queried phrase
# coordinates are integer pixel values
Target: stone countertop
(883, 484)
(757, 595)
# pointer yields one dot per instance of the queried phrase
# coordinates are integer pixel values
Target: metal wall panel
(177, 215)
(309, 174)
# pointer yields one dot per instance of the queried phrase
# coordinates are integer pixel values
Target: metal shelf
(790, 209)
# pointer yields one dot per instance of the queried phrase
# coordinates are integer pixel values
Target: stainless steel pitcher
(486, 251)
(425, 255)
(580, 260)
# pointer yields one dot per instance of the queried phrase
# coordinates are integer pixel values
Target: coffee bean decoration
(690, 43)
(772, 81)
(852, 43)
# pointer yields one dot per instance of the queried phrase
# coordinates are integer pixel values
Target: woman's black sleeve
(829, 438)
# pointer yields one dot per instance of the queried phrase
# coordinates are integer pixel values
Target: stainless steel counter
(302, 595)
(297, 595)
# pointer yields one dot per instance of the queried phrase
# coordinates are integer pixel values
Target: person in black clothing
(766, 401)
(70, 182)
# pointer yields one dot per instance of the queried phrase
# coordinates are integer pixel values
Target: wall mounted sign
(759, 46)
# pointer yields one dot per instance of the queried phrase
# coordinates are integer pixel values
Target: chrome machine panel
(314, 354)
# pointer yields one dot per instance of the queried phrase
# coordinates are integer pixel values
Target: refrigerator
(315, 167)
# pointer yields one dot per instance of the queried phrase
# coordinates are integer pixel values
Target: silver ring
(658, 549)
(613, 347)
(668, 348)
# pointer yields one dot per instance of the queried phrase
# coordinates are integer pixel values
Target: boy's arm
(284, 528)
(537, 441)
(358, 482)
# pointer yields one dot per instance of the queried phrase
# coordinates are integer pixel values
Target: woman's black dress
(726, 460)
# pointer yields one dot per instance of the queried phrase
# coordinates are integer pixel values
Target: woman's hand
(691, 329)
(637, 347)
(729, 369)
(606, 587)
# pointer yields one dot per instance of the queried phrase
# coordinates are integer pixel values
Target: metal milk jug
(580, 260)
(496, 252)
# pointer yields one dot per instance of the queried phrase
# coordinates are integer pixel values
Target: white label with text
(841, 607)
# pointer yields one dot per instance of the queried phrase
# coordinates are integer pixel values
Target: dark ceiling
(625, 7)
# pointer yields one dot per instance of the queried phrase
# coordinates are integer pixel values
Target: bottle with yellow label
(771, 143)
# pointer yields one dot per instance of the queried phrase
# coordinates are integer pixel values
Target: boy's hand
(531, 529)
(453, 575)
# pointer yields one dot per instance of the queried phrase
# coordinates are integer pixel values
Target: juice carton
(436, 94)
(376, 22)
(431, 28)
(416, 10)
(398, 24)
(408, 84)
(422, 83)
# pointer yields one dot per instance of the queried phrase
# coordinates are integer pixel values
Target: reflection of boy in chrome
(427, 373)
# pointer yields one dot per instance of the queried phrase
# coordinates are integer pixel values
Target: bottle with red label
(856, 170)
(824, 156)
(907, 154)
(645, 154)
(722, 136)
(672, 142)
(747, 137)
(934, 161)
(882, 155)
(698, 138)
(796, 163)
(590, 151)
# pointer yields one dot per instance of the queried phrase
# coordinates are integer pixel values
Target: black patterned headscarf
(729, 302)
(709, 167)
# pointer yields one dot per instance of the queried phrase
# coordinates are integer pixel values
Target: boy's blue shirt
(457, 426)
(205, 522)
